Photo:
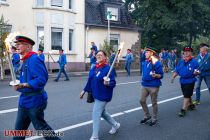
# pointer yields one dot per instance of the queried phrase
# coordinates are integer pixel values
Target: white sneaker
(114, 129)
(93, 138)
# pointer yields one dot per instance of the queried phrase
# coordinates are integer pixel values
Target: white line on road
(8, 110)
(8, 97)
(113, 115)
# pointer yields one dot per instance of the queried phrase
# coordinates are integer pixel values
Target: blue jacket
(96, 86)
(186, 71)
(42, 57)
(15, 60)
(62, 60)
(128, 58)
(143, 56)
(33, 72)
(172, 56)
(165, 56)
(92, 59)
(205, 68)
(147, 79)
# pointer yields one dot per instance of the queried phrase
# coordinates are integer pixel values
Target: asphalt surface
(66, 110)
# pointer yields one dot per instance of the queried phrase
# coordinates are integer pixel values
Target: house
(122, 29)
(52, 24)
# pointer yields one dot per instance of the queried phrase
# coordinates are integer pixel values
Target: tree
(166, 23)
(4, 30)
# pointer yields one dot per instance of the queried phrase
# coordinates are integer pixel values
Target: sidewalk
(80, 74)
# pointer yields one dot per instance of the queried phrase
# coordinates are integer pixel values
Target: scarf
(104, 63)
(29, 54)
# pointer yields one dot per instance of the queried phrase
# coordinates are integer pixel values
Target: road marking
(128, 83)
(113, 115)
(8, 110)
(8, 97)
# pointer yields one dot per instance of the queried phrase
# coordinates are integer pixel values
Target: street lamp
(109, 16)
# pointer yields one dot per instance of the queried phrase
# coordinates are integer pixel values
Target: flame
(121, 48)
(10, 38)
(154, 59)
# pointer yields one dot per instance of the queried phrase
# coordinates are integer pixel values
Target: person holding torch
(33, 97)
(102, 91)
(152, 72)
(187, 69)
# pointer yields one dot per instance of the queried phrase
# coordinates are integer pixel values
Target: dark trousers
(36, 116)
(128, 68)
(62, 70)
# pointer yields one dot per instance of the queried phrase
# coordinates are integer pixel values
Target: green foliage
(171, 23)
(106, 47)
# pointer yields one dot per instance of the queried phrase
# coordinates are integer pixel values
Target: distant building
(71, 25)
(52, 24)
(121, 25)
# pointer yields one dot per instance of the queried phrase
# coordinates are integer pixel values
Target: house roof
(95, 15)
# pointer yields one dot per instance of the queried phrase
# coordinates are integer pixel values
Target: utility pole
(109, 16)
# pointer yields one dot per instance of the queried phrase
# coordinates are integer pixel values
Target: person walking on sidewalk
(15, 61)
(128, 61)
(102, 93)
(204, 64)
(152, 72)
(62, 63)
(33, 98)
(187, 70)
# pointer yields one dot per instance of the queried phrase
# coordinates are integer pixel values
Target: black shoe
(56, 80)
(145, 120)
(191, 107)
(182, 113)
(152, 123)
(66, 80)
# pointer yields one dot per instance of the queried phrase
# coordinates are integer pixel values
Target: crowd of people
(34, 76)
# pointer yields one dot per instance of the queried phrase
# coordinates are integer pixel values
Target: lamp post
(109, 16)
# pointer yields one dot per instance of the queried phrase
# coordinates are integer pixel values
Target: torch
(154, 60)
(7, 41)
(106, 78)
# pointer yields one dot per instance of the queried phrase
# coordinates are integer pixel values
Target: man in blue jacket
(33, 97)
(62, 63)
(128, 61)
(187, 69)
(152, 72)
(204, 66)
(15, 60)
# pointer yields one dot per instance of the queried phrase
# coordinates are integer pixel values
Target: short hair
(102, 52)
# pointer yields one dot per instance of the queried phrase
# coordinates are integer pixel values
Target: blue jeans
(36, 116)
(62, 70)
(98, 112)
(198, 85)
(128, 68)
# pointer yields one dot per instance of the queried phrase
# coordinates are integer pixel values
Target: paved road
(68, 113)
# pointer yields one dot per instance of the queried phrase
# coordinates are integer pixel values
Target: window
(40, 37)
(114, 13)
(39, 3)
(3, 0)
(70, 39)
(56, 38)
(114, 41)
(57, 3)
(70, 4)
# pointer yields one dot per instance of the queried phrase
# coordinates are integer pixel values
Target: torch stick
(8, 40)
(106, 78)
